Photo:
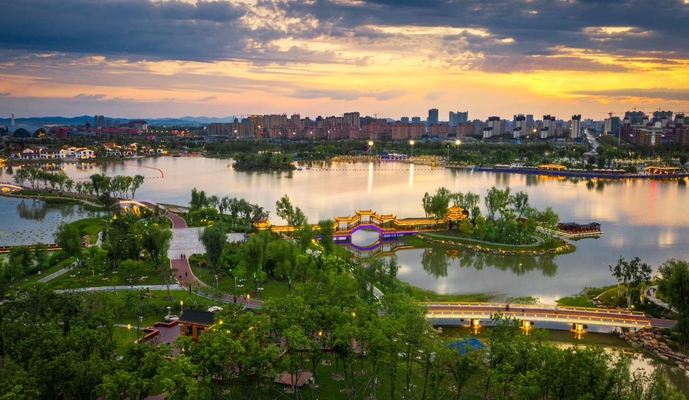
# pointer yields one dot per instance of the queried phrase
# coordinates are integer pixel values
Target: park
(289, 302)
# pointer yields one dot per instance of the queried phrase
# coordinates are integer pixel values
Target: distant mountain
(81, 120)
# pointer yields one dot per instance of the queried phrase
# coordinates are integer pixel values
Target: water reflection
(35, 212)
(435, 263)
(517, 265)
(532, 180)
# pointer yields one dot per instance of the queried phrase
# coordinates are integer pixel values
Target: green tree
(21, 176)
(68, 238)
(22, 258)
(633, 274)
(497, 200)
(293, 215)
(520, 203)
(214, 239)
(40, 254)
(327, 231)
(674, 286)
(156, 241)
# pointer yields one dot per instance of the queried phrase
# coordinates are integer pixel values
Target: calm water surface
(640, 218)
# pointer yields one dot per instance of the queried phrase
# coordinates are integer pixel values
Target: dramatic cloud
(348, 95)
(681, 95)
(399, 56)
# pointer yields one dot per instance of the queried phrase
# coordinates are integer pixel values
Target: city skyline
(155, 59)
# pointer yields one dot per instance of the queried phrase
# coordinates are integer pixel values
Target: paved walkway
(57, 273)
(185, 241)
(651, 295)
(177, 221)
(118, 288)
(539, 241)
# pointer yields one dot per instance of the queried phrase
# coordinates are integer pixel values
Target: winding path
(184, 275)
(651, 295)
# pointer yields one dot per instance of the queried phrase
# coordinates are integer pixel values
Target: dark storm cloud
(221, 30)
(535, 26)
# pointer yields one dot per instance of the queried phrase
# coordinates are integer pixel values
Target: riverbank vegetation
(509, 217)
(237, 214)
(268, 161)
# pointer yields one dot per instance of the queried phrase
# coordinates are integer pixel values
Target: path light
(181, 305)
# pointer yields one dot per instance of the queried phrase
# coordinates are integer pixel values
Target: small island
(264, 161)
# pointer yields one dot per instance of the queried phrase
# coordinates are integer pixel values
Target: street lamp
(181, 306)
(411, 143)
(138, 328)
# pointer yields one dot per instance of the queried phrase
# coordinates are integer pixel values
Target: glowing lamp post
(411, 143)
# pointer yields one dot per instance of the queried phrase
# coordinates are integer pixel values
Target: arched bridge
(387, 226)
(135, 206)
(6, 187)
(576, 316)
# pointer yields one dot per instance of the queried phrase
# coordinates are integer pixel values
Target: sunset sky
(392, 58)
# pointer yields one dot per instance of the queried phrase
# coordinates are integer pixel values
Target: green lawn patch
(451, 237)
(585, 297)
(84, 277)
(90, 226)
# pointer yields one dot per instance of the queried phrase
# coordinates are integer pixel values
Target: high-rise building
(576, 127)
(465, 129)
(648, 136)
(432, 116)
(497, 126)
(415, 120)
(611, 126)
(663, 117)
(404, 120)
(255, 126)
(519, 126)
(458, 117)
(352, 119)
(549, 125)
(635, 117)
(99, 121)
(296, 120)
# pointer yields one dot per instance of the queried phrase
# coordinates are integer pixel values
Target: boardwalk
(447, 312)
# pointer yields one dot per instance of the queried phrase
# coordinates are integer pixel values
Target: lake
(641, 218)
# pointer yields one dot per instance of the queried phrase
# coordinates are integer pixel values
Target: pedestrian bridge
(9, 187)
(135, 207)
(445, 313)
(387, 226)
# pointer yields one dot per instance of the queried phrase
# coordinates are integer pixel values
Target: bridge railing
(633, 320)
(534, 306)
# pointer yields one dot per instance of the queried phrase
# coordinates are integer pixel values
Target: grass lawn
(90, 226)
(584, 298)
(428, 295)
(84, 277)
(453, 237)
(271, 288)
(153, 307)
